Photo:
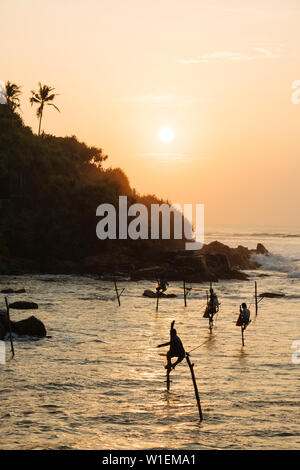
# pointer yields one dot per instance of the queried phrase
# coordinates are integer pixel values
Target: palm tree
(12, 93)
(43, 97)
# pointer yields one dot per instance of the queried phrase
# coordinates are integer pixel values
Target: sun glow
(166, 134)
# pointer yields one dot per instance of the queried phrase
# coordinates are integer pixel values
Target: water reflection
(99, 382)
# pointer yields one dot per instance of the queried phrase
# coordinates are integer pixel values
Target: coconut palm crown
(12, 93)
(43, 97)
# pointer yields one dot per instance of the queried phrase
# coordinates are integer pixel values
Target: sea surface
(99, 381)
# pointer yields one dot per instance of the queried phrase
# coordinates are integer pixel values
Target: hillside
(50, 188)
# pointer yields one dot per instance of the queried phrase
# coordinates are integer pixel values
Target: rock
(213, 262)
(150, 273)
(110, 262)
(240, 257)
(261, 250)
(152, 295)
(23, 305)
(12, 291)
(271, 295)
(31, 326)
(3, 324)
(193, 266)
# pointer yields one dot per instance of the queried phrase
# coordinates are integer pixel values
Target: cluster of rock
(213, 262)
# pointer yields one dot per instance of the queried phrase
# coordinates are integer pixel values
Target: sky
(217, 73)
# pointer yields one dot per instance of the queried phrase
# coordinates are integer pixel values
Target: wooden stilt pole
(157, 298)
(168, 379)
(184, 293)
(256, 302)
(242, 330)
(191, 366)
(9, 328)
(116, 289)
(211, 324)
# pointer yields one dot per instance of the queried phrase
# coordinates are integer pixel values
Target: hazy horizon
(218, 74)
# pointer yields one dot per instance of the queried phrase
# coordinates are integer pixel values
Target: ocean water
(99, 381)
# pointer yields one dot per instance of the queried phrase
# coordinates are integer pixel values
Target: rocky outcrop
(31, 326)
(240, 257)
(193, 266)
(117, 262)
(152, 295)
(213, 262)
(260, 250)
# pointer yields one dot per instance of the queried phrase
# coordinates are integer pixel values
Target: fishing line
(201, 344)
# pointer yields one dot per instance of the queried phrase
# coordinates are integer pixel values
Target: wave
(258, 234)
(278, 263)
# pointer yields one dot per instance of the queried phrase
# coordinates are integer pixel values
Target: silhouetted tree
(12, 93)
(43, 97)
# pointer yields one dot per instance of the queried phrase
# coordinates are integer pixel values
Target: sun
(166, 134)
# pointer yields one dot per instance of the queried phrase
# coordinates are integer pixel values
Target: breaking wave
(256, 235)
(280, 264)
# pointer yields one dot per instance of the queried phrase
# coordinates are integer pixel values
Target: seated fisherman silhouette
(162, 285)
(176, 348)
(213, 303)
(245, 315)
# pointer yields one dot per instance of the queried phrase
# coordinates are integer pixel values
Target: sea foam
(279, 263)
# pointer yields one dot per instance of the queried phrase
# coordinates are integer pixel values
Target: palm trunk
(41, 115)
(40, 123)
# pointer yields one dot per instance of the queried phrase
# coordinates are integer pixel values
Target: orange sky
(218, 73)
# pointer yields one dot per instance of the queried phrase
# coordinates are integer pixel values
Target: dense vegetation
(50, 188)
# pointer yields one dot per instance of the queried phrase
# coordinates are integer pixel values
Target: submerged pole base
(9, 329)
(242, 330)
(168, 379)
(210, 325)
(191, 366)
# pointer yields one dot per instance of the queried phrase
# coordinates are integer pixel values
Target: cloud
(162, 99)
(2, 92)
(256, 53)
